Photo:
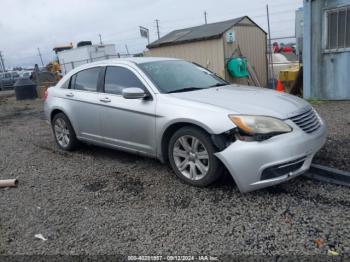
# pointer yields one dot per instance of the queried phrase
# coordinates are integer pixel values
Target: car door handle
(105, 99)
(70, 94)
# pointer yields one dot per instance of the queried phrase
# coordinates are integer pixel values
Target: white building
(72, 58)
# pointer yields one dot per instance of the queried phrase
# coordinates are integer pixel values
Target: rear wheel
(191, 155)
(64, 133)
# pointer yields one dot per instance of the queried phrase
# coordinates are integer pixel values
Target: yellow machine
(288, 76)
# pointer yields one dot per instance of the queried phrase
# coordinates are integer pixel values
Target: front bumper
(246, 161)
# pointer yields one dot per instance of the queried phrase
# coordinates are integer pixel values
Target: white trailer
(70, 59)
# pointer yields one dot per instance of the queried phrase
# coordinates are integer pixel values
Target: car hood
(248, 100)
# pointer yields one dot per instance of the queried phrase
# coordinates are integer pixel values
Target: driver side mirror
(133, 93)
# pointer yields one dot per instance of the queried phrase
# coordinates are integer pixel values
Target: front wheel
(191, 155)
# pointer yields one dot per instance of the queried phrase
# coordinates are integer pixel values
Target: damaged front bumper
(254, 165)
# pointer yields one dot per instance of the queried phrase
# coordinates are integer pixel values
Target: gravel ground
(336, 152)
(100, 201)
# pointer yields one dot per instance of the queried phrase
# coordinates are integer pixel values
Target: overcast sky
(26, 25)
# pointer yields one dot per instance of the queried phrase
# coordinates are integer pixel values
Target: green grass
(314, 101)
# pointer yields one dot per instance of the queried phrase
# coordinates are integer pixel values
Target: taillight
(46, 93)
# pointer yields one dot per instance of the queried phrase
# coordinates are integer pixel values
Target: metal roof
(197, 33)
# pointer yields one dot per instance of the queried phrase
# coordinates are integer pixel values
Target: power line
(184, 24)
(172, 24)
(233, 12)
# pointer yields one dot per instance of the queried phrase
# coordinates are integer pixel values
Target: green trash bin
(237, 67)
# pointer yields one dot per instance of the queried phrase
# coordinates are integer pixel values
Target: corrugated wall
(252, 43)
(207, 53)
(325, 72)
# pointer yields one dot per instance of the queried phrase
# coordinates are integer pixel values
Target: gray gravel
(100, 201)
(336, 152)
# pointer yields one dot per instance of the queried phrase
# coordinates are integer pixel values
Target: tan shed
(212, 45)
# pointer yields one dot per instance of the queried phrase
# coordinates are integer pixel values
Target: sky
(26, 25)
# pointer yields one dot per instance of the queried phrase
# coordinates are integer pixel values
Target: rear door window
(117, 78)
(87, 79)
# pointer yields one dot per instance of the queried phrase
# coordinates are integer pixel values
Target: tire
(63, 130)
(202, 167)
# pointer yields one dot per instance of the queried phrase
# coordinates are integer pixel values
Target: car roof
(134, 60)
(141, 60)
(118, 61)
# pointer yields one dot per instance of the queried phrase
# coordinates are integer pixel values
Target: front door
(127, 123)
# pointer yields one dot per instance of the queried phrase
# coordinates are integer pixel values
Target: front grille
(307, 121)
(282, 169)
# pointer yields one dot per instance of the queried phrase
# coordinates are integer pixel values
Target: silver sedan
(183, 114)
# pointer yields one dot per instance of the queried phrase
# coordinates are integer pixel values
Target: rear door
(127, 123)
(85, 107)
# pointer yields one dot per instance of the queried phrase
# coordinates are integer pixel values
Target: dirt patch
(95, 186)
(131, 185)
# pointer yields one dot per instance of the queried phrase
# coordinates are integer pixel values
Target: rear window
(87, 79)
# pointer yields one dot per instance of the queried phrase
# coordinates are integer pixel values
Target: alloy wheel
(191, 157)
(62, 132)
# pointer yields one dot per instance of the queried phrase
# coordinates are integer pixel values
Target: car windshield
(180, 76)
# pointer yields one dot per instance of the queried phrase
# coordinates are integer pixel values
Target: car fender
(211, 128)
(64, 111)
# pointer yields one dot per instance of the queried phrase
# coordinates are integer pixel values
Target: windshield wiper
(219, 84)
(185, 89)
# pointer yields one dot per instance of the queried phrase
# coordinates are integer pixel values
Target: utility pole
(157, 23)
(205, 17)
(42, 63)
(127, 49)
(2, 64)
(100, 39)
(270, 49)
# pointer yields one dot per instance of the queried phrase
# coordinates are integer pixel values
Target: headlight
(260, 125)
